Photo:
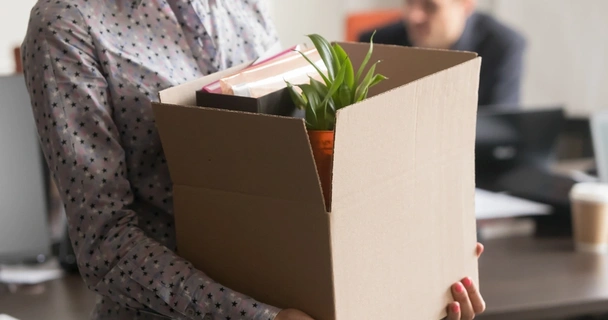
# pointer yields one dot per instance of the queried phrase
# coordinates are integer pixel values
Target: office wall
(13, 24)
(355, 5)
(566, 61)
(568, 51)
(294, 18)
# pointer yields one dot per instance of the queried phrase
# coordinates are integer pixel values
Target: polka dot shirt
(92, 68)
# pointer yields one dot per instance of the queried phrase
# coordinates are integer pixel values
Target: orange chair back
(18, 65)
(359, 22)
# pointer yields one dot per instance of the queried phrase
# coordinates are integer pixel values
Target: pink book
(215, 87)
(268, 77)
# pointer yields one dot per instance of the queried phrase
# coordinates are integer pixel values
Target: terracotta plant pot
(322, 143)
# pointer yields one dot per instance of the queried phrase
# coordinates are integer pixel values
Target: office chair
(18, 65)
(359, 22)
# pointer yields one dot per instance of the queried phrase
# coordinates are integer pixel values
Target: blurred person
(455, 25)
(92, 69)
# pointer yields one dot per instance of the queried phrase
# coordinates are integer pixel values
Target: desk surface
(535, 279)
(523, 279)
(64, 299)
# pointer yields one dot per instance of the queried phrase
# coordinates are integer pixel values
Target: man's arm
(74, 114)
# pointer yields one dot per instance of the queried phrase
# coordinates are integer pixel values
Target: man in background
(454, 24)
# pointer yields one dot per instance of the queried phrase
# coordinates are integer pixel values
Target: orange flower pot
(322, 143)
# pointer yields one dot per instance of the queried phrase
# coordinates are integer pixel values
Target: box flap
(274, 250)
(403, 179)
(402, 64)
(267, 156)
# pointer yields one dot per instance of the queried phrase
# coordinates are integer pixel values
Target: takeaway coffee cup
(590, 217)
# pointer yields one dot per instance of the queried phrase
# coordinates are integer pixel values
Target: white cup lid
(590, 191)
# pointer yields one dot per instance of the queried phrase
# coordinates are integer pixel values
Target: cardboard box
(250, 213)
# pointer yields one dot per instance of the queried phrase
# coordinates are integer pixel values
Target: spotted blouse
(92, 68)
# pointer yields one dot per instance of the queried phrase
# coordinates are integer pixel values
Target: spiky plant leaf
(345, 95)
(319, 86)
(336, 83)
(363, 87)
(377, 79)
(327, 81)
(367, 57)
(296, 97)
(312, 106)
(349, 76)
(327, 53)
(341, 88)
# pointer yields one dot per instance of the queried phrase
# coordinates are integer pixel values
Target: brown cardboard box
(250, 212)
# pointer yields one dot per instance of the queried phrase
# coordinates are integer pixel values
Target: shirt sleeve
(82, 146)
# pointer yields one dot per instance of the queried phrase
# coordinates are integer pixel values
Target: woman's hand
(468, 301)
(292, 314)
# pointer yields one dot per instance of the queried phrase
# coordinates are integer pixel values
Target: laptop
(24, 231)
(515, 151)
(599, 136)
(508, 140)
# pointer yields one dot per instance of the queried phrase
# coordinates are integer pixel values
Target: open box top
(294, 158)
(402, 223)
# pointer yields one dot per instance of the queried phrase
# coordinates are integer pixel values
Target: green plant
(341, 87)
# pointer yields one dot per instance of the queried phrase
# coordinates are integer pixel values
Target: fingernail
(459, 288)
(456, 308)
(467, 282)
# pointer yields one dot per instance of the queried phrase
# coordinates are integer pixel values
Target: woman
(92, 69)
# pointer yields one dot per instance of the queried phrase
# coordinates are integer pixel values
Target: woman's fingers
(480, 249)
(479, 305)
(462, 297)
(468, 299)
(453, 311)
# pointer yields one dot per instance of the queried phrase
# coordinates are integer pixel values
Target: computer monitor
(24, 231)
(514, 138)
(599, 134)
